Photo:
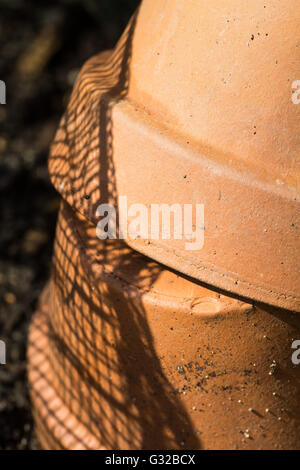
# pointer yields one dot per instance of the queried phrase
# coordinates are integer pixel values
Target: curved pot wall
(125, 354)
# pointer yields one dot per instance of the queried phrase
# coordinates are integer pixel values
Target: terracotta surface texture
(141, 343)
(194, 106)
(125, 354)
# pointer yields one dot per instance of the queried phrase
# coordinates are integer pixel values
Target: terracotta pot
(126, 354)
(193, 106)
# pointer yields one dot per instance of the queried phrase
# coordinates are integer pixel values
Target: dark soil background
(42, 47)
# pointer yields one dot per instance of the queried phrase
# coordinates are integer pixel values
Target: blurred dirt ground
(42, 47)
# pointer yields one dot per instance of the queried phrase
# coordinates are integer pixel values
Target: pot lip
(266, 195)
(205, 304)
(232, 167)
(174, 260)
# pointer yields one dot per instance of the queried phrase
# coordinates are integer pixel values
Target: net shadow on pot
(96, 379)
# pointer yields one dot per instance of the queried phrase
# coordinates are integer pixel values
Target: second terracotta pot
(125, 354)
